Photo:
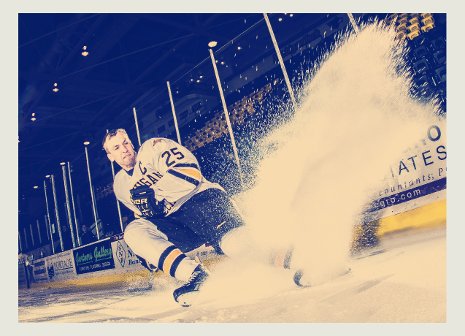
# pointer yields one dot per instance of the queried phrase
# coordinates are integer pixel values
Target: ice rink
(402, 280)
(315, 175)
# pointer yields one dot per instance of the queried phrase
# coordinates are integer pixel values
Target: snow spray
(355, 119)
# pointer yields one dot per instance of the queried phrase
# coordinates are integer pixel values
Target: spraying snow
(355, 120)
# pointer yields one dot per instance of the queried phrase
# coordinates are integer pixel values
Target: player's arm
(118, 189)
(130, 206)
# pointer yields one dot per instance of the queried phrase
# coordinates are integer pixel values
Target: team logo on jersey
(121, 254)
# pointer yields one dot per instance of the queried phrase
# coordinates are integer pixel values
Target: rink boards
(87, 266)
(106, 261)
(414, 195)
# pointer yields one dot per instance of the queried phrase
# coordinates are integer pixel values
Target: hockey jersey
(167, 167)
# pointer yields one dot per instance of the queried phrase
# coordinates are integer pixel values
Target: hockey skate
(284, 258)
(302, 279)
(185, 294)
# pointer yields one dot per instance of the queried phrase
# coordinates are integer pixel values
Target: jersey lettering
(143, 170)
(153, 177)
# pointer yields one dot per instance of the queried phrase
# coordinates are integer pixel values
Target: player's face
(121, 150)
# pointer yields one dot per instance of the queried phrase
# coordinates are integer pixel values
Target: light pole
(212, 44)
(117, 202)
(86, 143)
(174, 113)
(20, 242)
(137, 125)
(72, 203)
(281, 61)
(57, 216)
(25, 238)
(36, 187)
(48, 215)
(353, 23)
(38, 231)
(32, 236)
(68, 207)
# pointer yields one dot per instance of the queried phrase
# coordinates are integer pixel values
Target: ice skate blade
(300, 280)
(188, 299)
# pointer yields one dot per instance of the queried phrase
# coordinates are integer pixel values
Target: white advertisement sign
(418, 178)
(124, 257)
(61, 266)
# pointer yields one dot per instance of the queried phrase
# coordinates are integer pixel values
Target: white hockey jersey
(167, 167)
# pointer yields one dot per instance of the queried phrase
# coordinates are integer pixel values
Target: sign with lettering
(94, 257)
(60, 266)
(40, 270)
(124, 257)
(419, 175)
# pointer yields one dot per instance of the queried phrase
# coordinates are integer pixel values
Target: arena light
(62, 163)
(33, 119)
(84, 51)
(212, 44)
(55, 87)
(36, 187)
(47, 176)
(86, 143)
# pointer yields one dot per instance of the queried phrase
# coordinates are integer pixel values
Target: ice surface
(404, 280)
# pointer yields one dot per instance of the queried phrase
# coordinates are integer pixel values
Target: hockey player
(176, 208)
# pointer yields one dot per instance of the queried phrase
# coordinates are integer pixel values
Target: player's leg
(143, 237)
(153, 245)
(213, 215)
(210, 215)
(227, 227)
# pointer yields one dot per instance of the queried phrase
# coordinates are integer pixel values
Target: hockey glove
(143, 197)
